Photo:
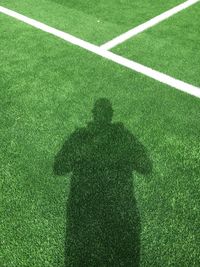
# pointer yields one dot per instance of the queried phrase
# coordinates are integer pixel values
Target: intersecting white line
(150, 23)
(156, 75)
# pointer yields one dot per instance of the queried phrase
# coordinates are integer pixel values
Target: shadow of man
(103, 222)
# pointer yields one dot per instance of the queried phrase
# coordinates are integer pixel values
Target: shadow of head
(103, 222)
(102, 111)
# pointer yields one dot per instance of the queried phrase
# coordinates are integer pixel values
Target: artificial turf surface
(96, 22)
(49, 88)
(171, 47)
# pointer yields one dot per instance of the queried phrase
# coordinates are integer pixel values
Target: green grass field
(171, 47)
(48, 89)
(97, 22)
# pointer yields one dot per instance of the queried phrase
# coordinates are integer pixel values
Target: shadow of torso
(103, 222)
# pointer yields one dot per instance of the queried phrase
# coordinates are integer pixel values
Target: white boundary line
(129, 34)
(156, 75)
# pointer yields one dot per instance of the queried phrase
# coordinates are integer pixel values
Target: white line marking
(129, 34)
(156, 75)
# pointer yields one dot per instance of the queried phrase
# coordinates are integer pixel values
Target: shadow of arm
(70, 153)
(62, 162)
(134, 151)
(142, 162)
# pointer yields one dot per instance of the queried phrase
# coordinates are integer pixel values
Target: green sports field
(48, 89)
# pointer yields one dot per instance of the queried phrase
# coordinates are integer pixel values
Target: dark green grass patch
(171, 47)
(48, 89)
(122, 12)
(94, 21)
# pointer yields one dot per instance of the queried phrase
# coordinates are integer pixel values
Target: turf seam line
(144, 26)
(156, 75)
